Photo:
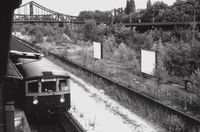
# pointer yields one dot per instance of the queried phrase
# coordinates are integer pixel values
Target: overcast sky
(73, 7)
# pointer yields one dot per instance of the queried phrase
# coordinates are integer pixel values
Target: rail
(62, 122)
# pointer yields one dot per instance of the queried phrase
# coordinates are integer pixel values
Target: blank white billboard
(148, 62)
(97, 50)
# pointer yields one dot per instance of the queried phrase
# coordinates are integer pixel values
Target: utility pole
(153, 17)
(130, 18)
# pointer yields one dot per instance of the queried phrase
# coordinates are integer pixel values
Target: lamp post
(130, 18)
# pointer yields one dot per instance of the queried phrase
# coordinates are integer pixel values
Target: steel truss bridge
(33, 12)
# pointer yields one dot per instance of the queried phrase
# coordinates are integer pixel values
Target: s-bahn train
(45, 87)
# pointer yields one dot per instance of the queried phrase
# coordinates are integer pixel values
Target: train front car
(47, 86)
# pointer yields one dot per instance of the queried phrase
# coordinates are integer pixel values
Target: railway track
(190, 123)
(44, 124)
(76, 125)
(57, 123)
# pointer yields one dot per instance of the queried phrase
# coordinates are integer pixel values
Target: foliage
(183, 58)
(102, 16)
(152, 14)
(125, 55)
(182, 10)
(130, 7)
(85, 15)
(109, 46)
(148, 4)
(98, 16)
(90, 30)
(38, 37)
(129, 37)
(127, 10)
(195, 77)
(174, 124)
(17, 27)
(161, 73)
(36, 33)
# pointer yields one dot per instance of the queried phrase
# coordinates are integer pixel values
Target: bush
(140, 41)
(90, 30)
(174, 124)
(183, 58)
(50, 39)
(195, 77)
(37, 37)
(109, 46)
(127, 56)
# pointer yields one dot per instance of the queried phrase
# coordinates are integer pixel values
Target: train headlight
(35, 100)
(62, 99)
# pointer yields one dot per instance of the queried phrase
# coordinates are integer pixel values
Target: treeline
(181, 10)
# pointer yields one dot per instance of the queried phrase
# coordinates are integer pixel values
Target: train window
(63, 85)
(33, 87)
(48, 86)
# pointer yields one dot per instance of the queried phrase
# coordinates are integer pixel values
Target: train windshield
(33, 87)
(63, 85)
(49, 86)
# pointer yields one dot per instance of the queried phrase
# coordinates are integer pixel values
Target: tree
(90, 30)
(102, 16)
(149, 4)
(127, 8)
(160, 71)
(130, 6)
(157, 9)
(85, 15)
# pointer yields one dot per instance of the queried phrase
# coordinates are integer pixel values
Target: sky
(73, 7)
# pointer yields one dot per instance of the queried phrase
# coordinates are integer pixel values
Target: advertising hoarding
(97, 50)
(148, 61)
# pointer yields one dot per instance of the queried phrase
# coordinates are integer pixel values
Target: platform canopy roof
(12, 71)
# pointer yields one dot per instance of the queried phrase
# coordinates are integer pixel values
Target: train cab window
(49, 86)
(33, 87)
(63, 85)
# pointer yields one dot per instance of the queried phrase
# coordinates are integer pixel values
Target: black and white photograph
(100, 66)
